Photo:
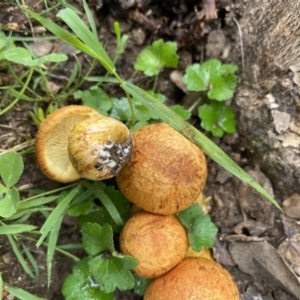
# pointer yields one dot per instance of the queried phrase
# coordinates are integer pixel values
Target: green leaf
(82, 208)
(37, 202)
(121, 109)
(11, 168)
(3, 190)
(181, 111)
(97, 99)
(157, 56)
(21, 259)
(56, 214)
(119, 200)
(217, 117)
(201, 231)
(53, 57)
(196, 78)
(98, 189)
(30, 260)
(99, 215)
(92, 48)
(22, 56)
(113, 271)
(96, 238)
(52, 241)
(82, 204)
(141, 284)
(21, 294)
(16, 228)
(89, 39)
(188, 215)
(219, 80)
(8, 205)
(2, 40)
(1, 284)
(80, 286)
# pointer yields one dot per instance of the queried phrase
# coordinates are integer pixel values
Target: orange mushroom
(167, 172)
(192, 279)
(158, 242)
(77, 142)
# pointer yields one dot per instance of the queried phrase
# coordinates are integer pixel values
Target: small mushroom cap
(167, 172)
(158, 242)
(99, 147)
(193, 279)
(51, 145)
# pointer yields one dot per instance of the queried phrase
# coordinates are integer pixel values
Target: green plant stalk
(155, 83)
(1, 284)
(195, 104)
(57, 248)
(13, 103)
(19, 256)
(20, 293)
(52, 240)
(59, 210)
(50, 192)
(78, 85)
(31, 260)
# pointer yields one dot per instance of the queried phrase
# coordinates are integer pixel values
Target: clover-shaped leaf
(217, 118)
(201, 231)
(157, 56)
(212, 76)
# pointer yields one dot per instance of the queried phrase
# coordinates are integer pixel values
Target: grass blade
(65, 36)
(56, 214)
(83, 32)
(194, 135)
(52, 246)
(107, 203)
(38, 202)
(25, 214)
(31, 260)
(21, 294)
(1, 284)
(90, 18)
(19, 256)
(16, 228)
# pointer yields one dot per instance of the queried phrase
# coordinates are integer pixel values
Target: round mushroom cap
(99, 147)
(193, 279)
(167, 172)
(158, 242)
(51, 144)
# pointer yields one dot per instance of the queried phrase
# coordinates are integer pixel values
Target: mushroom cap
(51, 145)
(167, 172)
(193, 279)
(158, 242)
(99, 147)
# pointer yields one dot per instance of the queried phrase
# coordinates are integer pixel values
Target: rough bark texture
(269, 110)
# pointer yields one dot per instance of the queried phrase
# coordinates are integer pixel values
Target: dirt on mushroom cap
(167, 172)
(99, 147)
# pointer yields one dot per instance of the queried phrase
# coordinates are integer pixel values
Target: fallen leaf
(261, 260)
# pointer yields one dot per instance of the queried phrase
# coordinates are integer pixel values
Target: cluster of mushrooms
(161, 173)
